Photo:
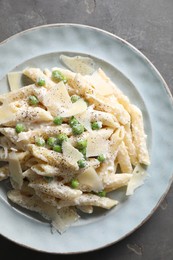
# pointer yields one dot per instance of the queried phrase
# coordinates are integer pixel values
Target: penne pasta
(36, 74)
(55, 189)
(115, 181)
(89, 200)
(128, 141)
(68, 140)
(116, 109)
(139, 136)
(123, 159)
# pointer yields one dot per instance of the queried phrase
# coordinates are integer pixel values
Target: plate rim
(168, 92)
(97, 29)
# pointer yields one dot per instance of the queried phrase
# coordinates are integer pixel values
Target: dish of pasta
(67, 141)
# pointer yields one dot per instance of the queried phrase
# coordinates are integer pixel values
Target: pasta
(63, 139)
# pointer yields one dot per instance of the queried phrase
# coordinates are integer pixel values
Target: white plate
(138, 78)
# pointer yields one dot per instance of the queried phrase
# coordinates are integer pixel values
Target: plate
(139, 79)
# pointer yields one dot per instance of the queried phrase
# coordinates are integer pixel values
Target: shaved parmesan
(7, 114)
(15, 171)
(71, 154)
(14, 80)
(85, 119)
(138, 177)
(79, 64)
(100, 83)
(76, 108)
(90, 179)
(97, 142)
(64, 219)
(57, 99)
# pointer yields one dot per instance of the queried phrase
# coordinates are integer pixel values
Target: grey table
(148, 25)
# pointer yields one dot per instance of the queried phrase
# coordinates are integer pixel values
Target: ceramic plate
(138, 78)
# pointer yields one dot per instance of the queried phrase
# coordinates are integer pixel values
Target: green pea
(20, 128)
(41, 82)
(74, 183)
(73, 121)
(39, 141)
(81, 163)
(83, 151)
(58, 120)
(57, 76)
(96, 125)
(57, 148)
(51, 141)
(101, 158)
(75, 98)
(81, 144)
(61, 138)
(77, 129)
(33, 100)
(102, 193)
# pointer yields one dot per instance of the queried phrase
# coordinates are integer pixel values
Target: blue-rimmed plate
(138, 78)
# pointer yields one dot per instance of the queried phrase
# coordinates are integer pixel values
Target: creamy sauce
(79, 64)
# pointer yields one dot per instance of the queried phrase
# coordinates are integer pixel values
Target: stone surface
(148, 25)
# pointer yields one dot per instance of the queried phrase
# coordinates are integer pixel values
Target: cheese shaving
(15, 171)
(76, 108)
(138, 177)
(90, 179)
(85, 119)
(57, 99)
(79, 64)
(100, 83)
(71, 154)
(14, 80)
(96, 138)
(6, 113)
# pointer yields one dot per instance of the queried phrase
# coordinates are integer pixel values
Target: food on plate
(67, 140)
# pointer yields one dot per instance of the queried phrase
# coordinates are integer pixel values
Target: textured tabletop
(148, 25)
